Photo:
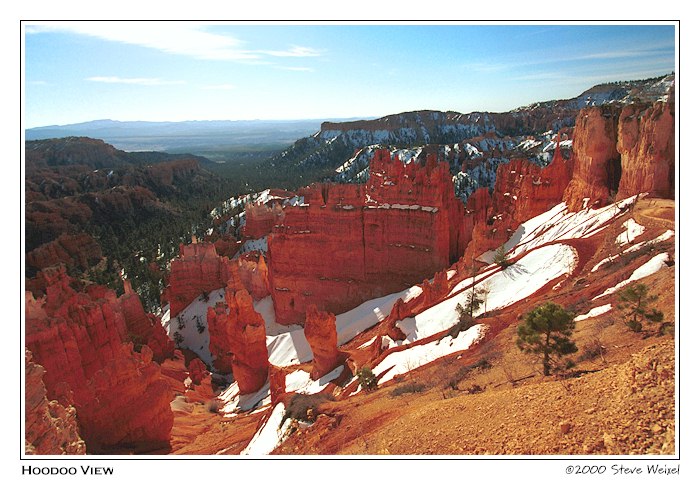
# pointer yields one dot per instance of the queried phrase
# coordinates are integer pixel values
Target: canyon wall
(595, 158)
(349, 243)
(646, 142)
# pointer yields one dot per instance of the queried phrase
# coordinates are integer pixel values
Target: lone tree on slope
(634, 303)
(545, 331)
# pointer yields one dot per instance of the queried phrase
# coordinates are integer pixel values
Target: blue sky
(162, 71)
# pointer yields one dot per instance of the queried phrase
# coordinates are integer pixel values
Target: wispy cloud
(177, 38)
(223, 86)
(150, 82)
(537, 58)
(42, 83)
(294, 51)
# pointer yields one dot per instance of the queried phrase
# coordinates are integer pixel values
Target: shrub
(474, 388)
(634, 325)
(407, 388)
(367, 378)
(592, 350)
(305, 407)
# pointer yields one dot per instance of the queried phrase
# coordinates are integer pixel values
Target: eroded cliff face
(197, 270)
(80, 338)
(260, 219)
(320, 332)
(364, 241)
(51, 428)
(522, 191)
(596, 161)
(646, 143)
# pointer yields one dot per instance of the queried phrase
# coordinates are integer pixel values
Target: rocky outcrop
(596, 161)
(522, 191)
(143, 328)
(260, 219)
(320, 332)
(377, 238)
(139, 417)
(51, 428)
(72, 250)
(197, 270)
(80, 337)
(646, 144)
(278, 384)
(198, 371)
(245, 331)
(217, 322)
(253, 272)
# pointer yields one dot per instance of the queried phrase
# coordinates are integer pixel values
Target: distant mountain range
(197, 137)
(331, 148)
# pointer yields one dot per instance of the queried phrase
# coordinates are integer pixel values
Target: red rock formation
(197, 270)
(144, 329)
(198, 371)
(402, 226)
(595, 158)
(253, 272)
(175, 373)
(72, 250)
(647, 145)
(320, 332)
(245, 330)
(278, 384)
(79, 338)
(217, 319)
(260, 219)
(202, 392)
(227, 246)
(51, 428)
(139, 416)
(522, 191)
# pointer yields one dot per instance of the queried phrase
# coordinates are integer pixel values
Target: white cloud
(178, 38)
(294, 51)
(150, 82)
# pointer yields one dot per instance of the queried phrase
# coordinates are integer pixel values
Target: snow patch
(271, 434)
(632, 231)
(404, 361)
(594, 312)
(652, 266)
(506, 287)
(300, 381)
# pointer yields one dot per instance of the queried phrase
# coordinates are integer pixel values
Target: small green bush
(634, 325)
(367, 378)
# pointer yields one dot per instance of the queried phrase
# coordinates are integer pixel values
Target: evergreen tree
(545, 331)
(635, 303)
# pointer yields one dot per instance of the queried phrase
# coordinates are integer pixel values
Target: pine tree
(546, 331)
(635, 303)
(500, 257)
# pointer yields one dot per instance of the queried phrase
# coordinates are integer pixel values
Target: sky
(174, 71)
